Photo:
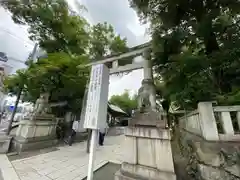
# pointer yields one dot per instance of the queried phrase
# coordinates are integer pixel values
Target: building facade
(5, 70)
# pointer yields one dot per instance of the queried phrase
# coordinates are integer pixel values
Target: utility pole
(34, 58)
(14, 111)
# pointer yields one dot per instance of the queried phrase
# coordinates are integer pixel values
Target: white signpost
(96, 108)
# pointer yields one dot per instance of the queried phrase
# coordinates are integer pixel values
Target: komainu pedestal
(148, 153)
(36, 132)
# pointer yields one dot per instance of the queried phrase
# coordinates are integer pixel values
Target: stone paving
(68, 163)
(1, 176)
(7, 170)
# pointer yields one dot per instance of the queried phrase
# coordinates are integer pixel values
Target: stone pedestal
(148, 154)
(36, 133)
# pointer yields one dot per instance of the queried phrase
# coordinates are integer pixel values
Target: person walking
(73, 132)
(102, 133)
(1, 115)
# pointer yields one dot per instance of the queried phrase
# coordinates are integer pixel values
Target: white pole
(34, 52)
(92, 154)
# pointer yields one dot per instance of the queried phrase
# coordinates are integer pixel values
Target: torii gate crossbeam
(112, 60)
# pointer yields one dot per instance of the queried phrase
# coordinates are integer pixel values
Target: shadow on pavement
(106, 172)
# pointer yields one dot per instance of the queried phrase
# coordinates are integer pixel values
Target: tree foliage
(58, 29)
(57, 74)
(51, 24)
(125, 102)
(104, 41)
(196, 47)
(15, 82)
(69, 41)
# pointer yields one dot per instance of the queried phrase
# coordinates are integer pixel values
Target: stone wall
(116, 131)
(204, 160)
(206, 143)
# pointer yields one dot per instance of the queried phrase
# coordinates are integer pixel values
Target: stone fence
(115, 131)
(213, 123)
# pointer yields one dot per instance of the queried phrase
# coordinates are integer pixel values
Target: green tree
(51, 24)
(15, 82)
(15, 85)
(69, 41)
(196, 47)
(125, 102)
(58, 29)
(57, 74)
(105, 42)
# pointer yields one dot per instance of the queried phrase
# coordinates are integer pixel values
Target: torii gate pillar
(148, 153)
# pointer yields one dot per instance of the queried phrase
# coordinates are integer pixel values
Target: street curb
(7, 169)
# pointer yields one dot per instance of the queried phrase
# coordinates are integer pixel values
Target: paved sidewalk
(68, 163)
(7, 170)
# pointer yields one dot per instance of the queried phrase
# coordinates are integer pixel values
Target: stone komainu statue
(41, 106)
(146, 96)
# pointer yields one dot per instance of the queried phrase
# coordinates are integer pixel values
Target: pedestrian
(1, 115)
(107, 128)
(102, 133)
(73, 132)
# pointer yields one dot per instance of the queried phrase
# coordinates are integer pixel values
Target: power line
(11, 33)
(24, 41)
(14, 59)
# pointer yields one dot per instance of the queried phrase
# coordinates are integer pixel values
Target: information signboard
(97, 100)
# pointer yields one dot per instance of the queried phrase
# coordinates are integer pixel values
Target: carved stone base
(21, 144)
(149, 118)
(148, 154)
(39, 117)
(35, 134)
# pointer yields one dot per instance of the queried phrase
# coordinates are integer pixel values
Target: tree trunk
(221, 82)
(211, 45)
(84, 104)
(210, 42)
(209, 37)
(14, 112)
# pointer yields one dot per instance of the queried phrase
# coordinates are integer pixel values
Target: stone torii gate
(143, 50)
(148, 153)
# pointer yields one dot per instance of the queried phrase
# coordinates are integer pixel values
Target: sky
(14, 41)
(14, 38)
